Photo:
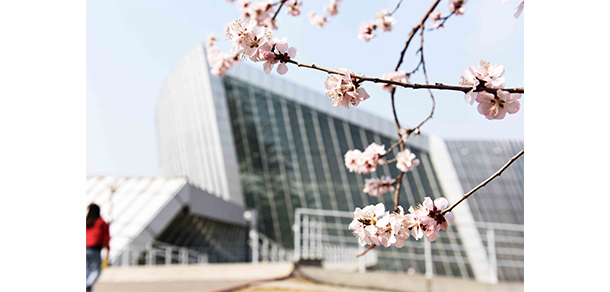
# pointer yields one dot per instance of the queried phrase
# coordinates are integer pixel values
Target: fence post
(135, 259)
(250, 215)
(319, 253)
(361, 262)
(274, 253)
(491, 247)
(265, 249)
(168, 256)
(305, 254)
(183, 256)
(428, 256)
(125, 260)
(312, 239)
(149, 253)
(297, 236)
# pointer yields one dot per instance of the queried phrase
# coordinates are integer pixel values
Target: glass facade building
(499, 202)
(268, 145)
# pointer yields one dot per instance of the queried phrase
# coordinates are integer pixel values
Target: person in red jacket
(98, 237)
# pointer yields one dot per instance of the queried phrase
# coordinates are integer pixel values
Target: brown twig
(415, 29)
(438, 85)
(423, 63)
(394, 112)
(389, 150)
(278, 9)
(397, 192)
(366, 250)
(444, 19)
(397, 5)
(484, 183)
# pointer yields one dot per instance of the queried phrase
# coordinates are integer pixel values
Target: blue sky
(132, 46)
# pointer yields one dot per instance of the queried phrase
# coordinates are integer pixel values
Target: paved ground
(167, 286)
(298, 285)
(190, 278)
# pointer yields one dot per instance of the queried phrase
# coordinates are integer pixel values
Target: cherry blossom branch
(367, 249)
(390, 149)
(444, 19)
(394, 112)
(278, 9)
(397, 5)
(396, 194)
(423, 63)
(412, 34)
(438, 85)
(484, 183)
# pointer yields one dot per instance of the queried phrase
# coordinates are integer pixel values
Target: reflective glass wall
(501, 201)
(291, 156)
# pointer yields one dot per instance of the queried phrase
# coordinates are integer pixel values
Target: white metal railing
(159, 254)
(321, 235)
(313, 241)
(268, 250)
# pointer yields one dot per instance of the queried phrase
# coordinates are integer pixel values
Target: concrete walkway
(193, 278)
(393, 281)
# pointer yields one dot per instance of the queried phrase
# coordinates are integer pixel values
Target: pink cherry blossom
(384, 20)
(406, 161)
(318, 21)
(293, 7)
(259, 12)
(365, 162)
(341, 90)
(435, 220)
(417, 230)
(219, 61)
(383, 232)
(457, 6)
(491, 75)
(248, 39)
(366, 31)
(272, 58)
(436, 20)
(354, 161)
(376, 187)
(401, 226)
(398, 76)
(333, 7)
(364, 222)
(495, 107)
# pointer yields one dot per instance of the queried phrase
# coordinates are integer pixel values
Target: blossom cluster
(436, 19)
(399, 76)
(333, 7)
(406, 161)
(457, 6)
(367, 161)
(383, 21)
(492, 106)
(261, 12)
(318, 20)
(375, 225)
(257, 43)
(341, 89)
(219, 61)
(293, 7)
(376, 187)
